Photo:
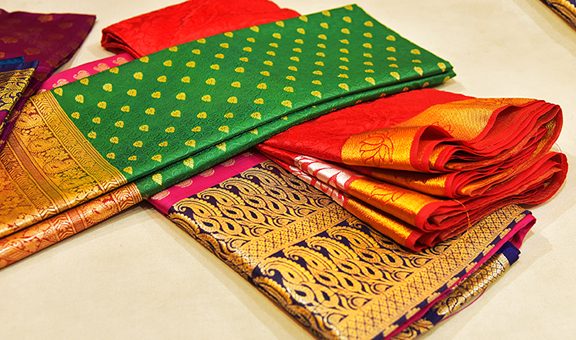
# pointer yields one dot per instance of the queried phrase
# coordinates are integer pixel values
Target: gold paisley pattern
(13, 83)
(48, 167)
(334, 274)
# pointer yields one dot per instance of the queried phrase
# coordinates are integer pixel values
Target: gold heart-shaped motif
(368, 23)
(388, 37)
(133, 158)
(92, 134)
(219, 55)
(292, 78)
(201, 41)
(196, 51)
(114, 140)
(138, 76)
(229, 34)
(395, 75)
(321, 54)
(247, 49)
(319, 63)
(415, 51)
(119, 124)
(368, 63)
(316, 82)
(251, 39)
(347, 19)
(125, 108)
(343, 67)
(419, 70)
(367, 45)
(156, 94)
(111, 155)
(316, 94)
(370, 80)
(279, 23)
(206, 98)
(367, 55)
(244, 59)
(344, 50)
(301, 30)
(343, 75)
(321, 45)
(189, 162)
(202, 115)
(170, 129)
(191, 64)
(75, 114)
(144, 59)
(255, 29)
(162, 79)
(157, 158)
(185, 80)
(262, 86)
(324, 25)
(299, 41)
(289, 89)
(176, 113)
(167, 63)
(391, 58)
(293, 68)
(345, 41)
(232, 100)
(259, 101)
(79, 98)
(150, 111)
(96, 120)
(132, 93)
(58, 91)
(181, 96)
(239, 69)
(215, 67)
(138, 143)
(345, 31)
(303, 18)
(163, 144)
(369, 35)
(228, 115)
(326, 13)
(265, 73)
(144, 128)
(254, 131)
(211, 81)
(256, 115)
(224, 128)
(417, 61)
(287, 103)
(157, 178)
(277, 35)
(344, 59)
(271, 53)
(128, 170)
(294, 58)
(224, 45)
(322, 36)
(344, 86)
(173, 49)
(114, 70)
(442, 66)
(190, 143)
(236, 84)
(107, 87)
(317, 72)
(221, 146)
(102, 105)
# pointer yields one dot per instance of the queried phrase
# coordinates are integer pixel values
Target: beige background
(139, 276)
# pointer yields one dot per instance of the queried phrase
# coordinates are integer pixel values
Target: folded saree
(135, 129)
(566, 9)
(423, 166)
(49, 39)
(334, 274)
(190, 20)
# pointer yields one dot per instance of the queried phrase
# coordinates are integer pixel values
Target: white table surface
(139, 276)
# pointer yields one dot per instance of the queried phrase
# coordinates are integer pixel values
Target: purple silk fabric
(50, 39)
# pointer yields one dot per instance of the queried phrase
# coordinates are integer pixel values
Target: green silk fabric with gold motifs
(171, 114)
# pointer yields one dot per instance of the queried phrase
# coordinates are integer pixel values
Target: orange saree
(423, 166)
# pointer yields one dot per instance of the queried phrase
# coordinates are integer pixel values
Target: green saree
(129, 132)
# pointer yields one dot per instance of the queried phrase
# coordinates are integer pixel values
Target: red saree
(423, 166)
(188, 21)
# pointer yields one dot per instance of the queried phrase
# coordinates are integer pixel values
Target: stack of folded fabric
(566, 9)
(389, 211)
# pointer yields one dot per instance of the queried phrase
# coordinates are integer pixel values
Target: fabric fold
(15, 77)
(155, 121)
(49, 39)
(333, 273)
(425, 165)
(188, 21)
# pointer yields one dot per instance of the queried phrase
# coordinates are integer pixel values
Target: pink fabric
(164, 200)
(85, 70)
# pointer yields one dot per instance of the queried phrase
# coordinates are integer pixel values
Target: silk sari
(423, 166)
(333, 273)
(566, 9)
(49, 39)
(188, 21)
(150, 123)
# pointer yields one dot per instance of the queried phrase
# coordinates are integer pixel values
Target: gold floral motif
(47, 166)
(57, 228)
(13, 83)
(334, 274)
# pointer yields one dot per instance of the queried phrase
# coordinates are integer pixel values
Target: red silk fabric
(191, 20)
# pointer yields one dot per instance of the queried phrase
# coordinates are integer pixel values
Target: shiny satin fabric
(46, 38)
(38, 222)
(333, 273)
(423, 166)
(187, 21)
(15, 77)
